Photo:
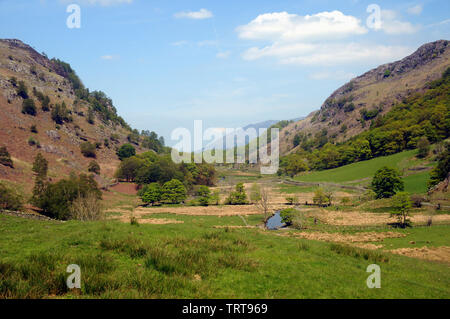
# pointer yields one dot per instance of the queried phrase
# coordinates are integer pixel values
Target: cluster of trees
(56, 199)
(419, 120)
(442, 170)
(150, 167)
(171, 192)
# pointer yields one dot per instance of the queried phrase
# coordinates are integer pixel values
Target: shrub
(28, 107)
(88, 149)
(22, 90)
(94, 167)
(173, 192)
(60, 114)
(387, 182)
(9, 199)
(5, 157)
(238, 197)
(33, 142)
(33, 129)
(126, 151)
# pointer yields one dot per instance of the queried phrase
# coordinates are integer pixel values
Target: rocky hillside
(66, 115)
(351, 108)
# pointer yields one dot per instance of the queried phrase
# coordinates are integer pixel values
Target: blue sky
(228, 63)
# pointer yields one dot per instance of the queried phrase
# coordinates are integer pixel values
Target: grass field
(195, 260)
(362, 172)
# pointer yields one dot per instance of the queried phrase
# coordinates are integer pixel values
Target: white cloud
(318, 39)
(416, 10)
(180, 43)
(104, 3)
(201, 14)
(391, 25)
(109, 57)
(223, 55)
(328, 53)
(283, 26)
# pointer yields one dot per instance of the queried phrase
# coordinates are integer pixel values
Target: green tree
(287, 216)
(151, 194)
(238, 197)
(5, 157)
(401, 203)
(129, 168)
(204, 194)
(94, 167)
(126, 151)
(387, 182)
(173, 192)
(424, 147)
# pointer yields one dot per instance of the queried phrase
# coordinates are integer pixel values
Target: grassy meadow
(195, 260)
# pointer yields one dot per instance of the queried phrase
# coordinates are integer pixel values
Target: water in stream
(274, 222)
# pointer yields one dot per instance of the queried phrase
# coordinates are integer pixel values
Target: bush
(5, 157)
(88, 149)
(9, 199)
(173, 192)
(291, 200)
(387, 182)
(22, 90)
(28, 107)
(238, 197)
(33, 142)
(94, 167)
(126, 151)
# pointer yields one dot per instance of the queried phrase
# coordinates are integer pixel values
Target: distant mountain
(221, 143)
(351, 108)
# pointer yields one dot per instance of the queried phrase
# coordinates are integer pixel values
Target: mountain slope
(57, 138)
(349, 110)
